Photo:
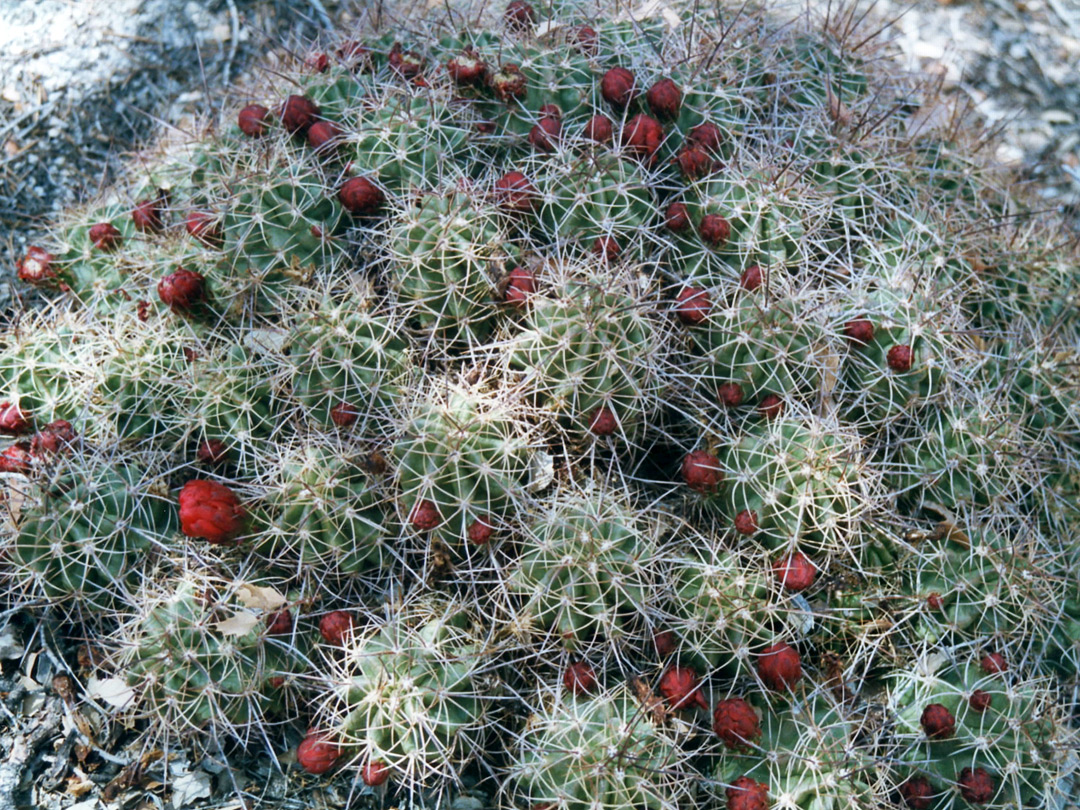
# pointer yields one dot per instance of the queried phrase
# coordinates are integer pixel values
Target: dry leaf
(653, 8)
(239, 624)
(260, 598)
(650, 703)
(14, 495)
(190, 786)
(113, 691)
(78, 786)
(541, 472)
(266, 341)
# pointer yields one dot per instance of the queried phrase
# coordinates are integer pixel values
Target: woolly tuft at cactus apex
(564, 410)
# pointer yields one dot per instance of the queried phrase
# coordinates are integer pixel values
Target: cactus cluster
(594, 411)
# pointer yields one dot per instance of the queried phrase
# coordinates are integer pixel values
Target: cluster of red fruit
(48, 440)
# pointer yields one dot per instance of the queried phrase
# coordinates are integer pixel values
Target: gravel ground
(1018, 62)
(83, 82)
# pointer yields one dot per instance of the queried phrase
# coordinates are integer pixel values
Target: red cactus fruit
(917, 793)
(105, 236)
(146, 216)
(607, 248)
(13, 422)
(935, 602)
(211, 511)
(746, 522)
(677, 217)
(795, 571)
(324, 136)
(52, 438)
(360, 196)
(298, 113)
(694, 162)
(485, 127)
(254, 120)
(36, 266)
(16, 458)
(317, 63)
(750, 278)
(736, 723)
(682, 688)
(993, 663)
(343, 414)
(425, 516)
(770, 407)
(747, 794)
(599, 129)
(279, 623)
(701, 471)
(617, 87)
(665, 643)
(937, 721)
(520, 284)
(479, 531)
(714, 229)
(317, 754)
(519, 15)
(406, 64)
(664, 99)
(730, 394)
(203, 226)
(509, 83)
(900, 358)
(603, 422)
(545, 133)
(375, 773)
(980, 701)
(579, 678)
(467, 67)
(642, 136)
(859, 330)
(780, 667)
(181, 289)
(212, 451)
(693, 305)
(585, 39)
(976, 785)
(336, 626)
(706, 135)
(514, 192)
